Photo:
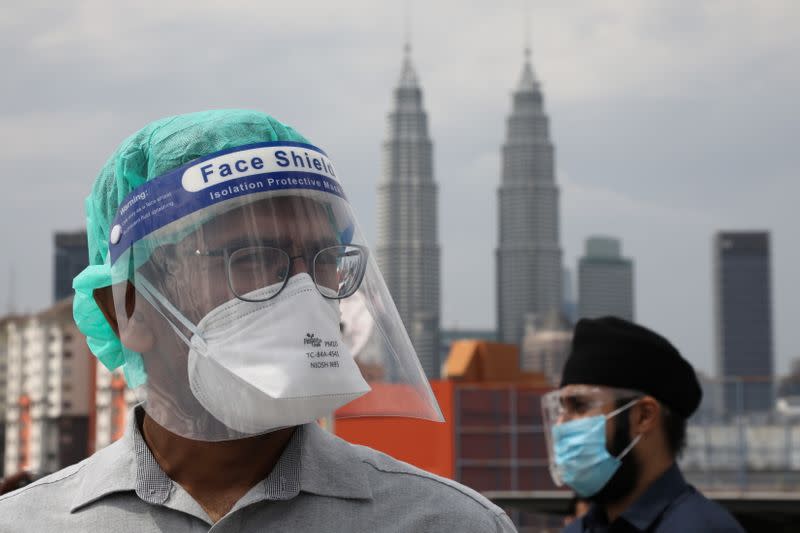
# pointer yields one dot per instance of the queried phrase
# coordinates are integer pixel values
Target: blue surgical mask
(581, 456)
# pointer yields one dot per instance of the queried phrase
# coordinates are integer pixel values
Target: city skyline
(649, 103)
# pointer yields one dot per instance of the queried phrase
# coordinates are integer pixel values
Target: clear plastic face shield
(246, 287)
(579, 402)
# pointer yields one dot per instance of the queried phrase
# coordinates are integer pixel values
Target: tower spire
(407, 26)
(527, 27)
(527, 81)
(408, 76)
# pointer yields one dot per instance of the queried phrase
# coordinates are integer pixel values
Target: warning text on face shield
(140, 210)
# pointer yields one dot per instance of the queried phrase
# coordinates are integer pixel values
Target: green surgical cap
(152, 151)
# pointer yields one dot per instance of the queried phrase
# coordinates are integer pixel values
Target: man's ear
(645, 416)
(135, 333)
(104, 298)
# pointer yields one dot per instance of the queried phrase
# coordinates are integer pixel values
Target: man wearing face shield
(616, 427)
(221, 245)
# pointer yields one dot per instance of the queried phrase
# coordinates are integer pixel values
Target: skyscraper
(743, 319)
(4, 323)
(71, 257)
(528, 253)
(605, 280)
(408, 249)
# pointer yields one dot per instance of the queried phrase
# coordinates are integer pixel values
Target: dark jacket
(669, 505)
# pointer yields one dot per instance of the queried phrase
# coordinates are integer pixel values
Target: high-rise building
(605, 280)
(48, 392)
(528, 253)
(3, 383)
(743, 320)
(408, 249)
(71, 257)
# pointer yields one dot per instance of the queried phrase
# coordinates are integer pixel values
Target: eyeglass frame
(617, 395)
(226, 254)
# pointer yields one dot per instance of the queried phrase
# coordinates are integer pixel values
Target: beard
(624, 479)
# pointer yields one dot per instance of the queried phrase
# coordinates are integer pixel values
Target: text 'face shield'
(245, 284)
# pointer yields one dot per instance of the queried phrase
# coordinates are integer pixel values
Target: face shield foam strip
(253, 169)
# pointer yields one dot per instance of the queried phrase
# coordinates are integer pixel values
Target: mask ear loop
(614, 413)
(629, 447)
(154, 297)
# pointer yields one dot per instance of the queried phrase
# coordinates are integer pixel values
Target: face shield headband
(236, 173)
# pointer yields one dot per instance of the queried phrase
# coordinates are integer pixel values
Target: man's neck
(215, 474)
(650, 473)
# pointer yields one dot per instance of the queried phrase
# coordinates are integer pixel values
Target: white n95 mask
(260, 366)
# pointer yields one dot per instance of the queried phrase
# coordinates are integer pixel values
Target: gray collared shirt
(320, 483)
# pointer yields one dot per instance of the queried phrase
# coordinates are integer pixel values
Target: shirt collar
(152, 483)
(331, 466)
(656, 498)
(110, 470)
(650, 505)
(313, 461)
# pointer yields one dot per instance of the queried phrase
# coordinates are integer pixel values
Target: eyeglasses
(581, 401)
(578, 406)
(337, 270)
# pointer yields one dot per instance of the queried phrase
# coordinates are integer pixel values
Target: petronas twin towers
(408, 252)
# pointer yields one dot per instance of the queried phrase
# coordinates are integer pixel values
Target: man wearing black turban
(616, 426)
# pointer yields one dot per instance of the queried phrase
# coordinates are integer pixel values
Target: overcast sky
(671, 120)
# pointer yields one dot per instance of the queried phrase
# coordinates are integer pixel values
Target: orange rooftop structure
(483, 362)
